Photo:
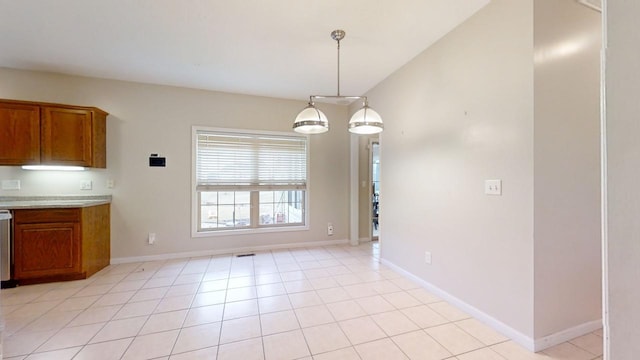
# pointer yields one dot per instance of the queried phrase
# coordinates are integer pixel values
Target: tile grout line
(352, 265)
(145, 322)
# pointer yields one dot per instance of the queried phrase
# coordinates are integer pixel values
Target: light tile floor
(335, 302)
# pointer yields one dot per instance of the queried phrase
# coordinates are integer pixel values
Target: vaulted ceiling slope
(276, 48)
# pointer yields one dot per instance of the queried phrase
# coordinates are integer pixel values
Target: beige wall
(147, 119)
(622, 232)
(567, 236)
(459, 113)
(474, 106)
(487, 102)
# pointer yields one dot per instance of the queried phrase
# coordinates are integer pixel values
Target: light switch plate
(493, 187)
(10, 184)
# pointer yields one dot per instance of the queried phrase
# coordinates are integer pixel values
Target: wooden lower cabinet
(60, 244)
(47, 249)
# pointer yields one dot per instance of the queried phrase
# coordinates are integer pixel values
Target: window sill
(215, 233)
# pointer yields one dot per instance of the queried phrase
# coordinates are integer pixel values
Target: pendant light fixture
(313, 121)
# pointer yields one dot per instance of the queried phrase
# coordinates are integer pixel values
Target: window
(247, 181)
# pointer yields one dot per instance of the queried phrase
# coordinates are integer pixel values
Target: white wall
(489, 102)
(147, 119)
(622, 230)
(459, 113)
(567, 241)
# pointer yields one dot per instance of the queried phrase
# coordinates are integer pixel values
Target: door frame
(372, 141)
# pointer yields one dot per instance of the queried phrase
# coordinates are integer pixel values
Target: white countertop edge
(53, 202)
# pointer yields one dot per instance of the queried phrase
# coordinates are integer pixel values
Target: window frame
(196, 232)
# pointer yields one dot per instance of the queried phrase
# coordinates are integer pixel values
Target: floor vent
(245, 255)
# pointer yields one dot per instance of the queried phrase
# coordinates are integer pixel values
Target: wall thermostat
(157, 161)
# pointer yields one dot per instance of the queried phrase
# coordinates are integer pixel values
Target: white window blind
(248, 162)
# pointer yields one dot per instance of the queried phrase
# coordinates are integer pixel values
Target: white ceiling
(277, 48)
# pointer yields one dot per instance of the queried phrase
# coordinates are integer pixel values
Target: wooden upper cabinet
(66, 136)
(19, 134)
(56, 135)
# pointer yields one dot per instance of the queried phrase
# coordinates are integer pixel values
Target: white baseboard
(132, 259)
(566, 335)
(528, 342)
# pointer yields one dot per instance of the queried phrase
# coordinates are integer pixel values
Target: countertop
(48, 202)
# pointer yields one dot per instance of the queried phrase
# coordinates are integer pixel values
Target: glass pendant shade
(366, 121)
(311, 121)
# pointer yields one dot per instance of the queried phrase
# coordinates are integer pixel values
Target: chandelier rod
(338, 66)
(338, 35)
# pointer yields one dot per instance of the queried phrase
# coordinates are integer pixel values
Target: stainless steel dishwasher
(5, 250)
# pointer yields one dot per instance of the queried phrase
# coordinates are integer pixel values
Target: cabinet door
(66, 136)
(46, 249)
(19, 134)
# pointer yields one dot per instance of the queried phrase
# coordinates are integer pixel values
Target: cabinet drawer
(31, 216)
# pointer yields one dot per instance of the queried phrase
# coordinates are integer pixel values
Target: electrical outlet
(329, 229)
(152, 238)
(86, 185)
(111, 184)
(427, 257)
(10, 184)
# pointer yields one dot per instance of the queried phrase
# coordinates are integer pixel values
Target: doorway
(374, 161)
